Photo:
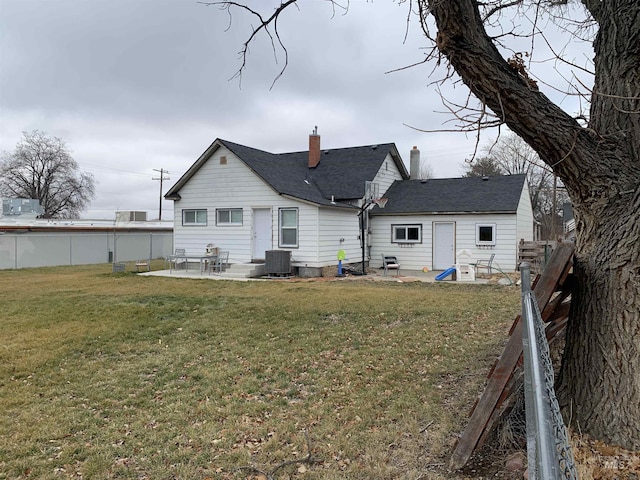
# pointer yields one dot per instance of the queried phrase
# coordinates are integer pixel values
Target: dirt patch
(494, 278)
(597, 460)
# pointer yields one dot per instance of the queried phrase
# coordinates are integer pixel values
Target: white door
(261, 232)
(443, 245)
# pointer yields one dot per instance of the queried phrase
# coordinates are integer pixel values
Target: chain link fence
(548, 449)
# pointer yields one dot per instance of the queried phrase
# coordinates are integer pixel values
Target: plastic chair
(390, 262)
(465, 271)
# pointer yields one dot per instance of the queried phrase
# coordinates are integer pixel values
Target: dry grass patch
(108, 375)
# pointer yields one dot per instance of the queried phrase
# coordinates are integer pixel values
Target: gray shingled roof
(454, 195)
(342, 172)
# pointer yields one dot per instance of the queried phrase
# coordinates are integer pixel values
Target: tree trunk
(600, 166)
(600, 376)
(599, 384)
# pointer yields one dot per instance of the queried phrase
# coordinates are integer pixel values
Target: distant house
(248, 202)
(425, 222)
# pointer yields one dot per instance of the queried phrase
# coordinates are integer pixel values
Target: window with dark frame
(406, 233)
(228, 216)
(288, 227)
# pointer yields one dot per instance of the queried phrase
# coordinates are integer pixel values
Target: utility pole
(163, 176)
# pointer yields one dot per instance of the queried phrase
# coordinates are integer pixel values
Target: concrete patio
(372, 275)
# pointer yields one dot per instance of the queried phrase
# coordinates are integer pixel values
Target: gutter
(380, 212)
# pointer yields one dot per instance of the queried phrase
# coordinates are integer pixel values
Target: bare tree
(482, 167)
(515, 156)
(426, 170)
(41, 167)
(596, 156)
(510, 155)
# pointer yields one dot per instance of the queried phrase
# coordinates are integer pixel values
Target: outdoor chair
(144, 264)
(220, 263)
(486, 264)
(176, 259)
(390, 262)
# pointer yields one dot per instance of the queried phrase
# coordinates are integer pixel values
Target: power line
(113, 170)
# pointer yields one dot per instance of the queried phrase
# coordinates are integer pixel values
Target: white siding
(307, 251)
(525, 216)
(387, 175)
(231, 185)
(418, 255)
(220, 186)
(339, 229)
(321, 233)
(234, 185)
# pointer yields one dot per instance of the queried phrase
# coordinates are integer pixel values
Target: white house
(248, 202)
(425, 222)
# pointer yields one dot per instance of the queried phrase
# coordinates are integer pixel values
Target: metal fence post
(548, 451)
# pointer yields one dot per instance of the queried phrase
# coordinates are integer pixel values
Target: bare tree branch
(499, 7)
(263, 26)
(268, 25)
(560, 58)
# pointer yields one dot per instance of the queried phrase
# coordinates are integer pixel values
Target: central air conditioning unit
(277, 262)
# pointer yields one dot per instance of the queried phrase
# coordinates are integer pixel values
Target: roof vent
(373, 147)
(485, 178)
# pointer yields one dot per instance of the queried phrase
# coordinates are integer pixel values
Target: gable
(340, 175)
(222, 179)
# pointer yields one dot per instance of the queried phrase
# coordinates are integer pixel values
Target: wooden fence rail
(552, 291)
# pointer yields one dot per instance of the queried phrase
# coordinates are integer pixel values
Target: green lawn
(108, 375)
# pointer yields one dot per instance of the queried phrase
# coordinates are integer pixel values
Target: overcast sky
(137, 85)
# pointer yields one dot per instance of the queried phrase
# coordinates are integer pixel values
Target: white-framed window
(228, 216)
(485, 233)
(406, 233)
(194, 217)
(288, 227)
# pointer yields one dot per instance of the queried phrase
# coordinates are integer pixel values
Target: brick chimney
(314, 148)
